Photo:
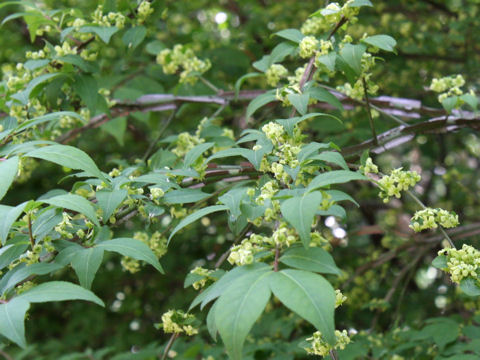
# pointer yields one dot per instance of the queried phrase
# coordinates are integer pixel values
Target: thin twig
(169, 345)
(30, 233)
(369, 112)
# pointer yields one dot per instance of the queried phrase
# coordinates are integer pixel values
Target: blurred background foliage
(377, 250)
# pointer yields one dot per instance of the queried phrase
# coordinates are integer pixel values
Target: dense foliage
(244, 180)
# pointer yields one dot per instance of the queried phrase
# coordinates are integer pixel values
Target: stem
(277, 255)
(419, 202)
(209, 84)
(369, 112)
(5, 355)
(334, 354)
(169, 345)
(30, 234)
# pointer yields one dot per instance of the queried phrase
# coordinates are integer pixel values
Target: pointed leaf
(309, 295)
(59, 291)
(312, 259)
(331, 157)
(294, 35)
(334, 177)
(74, 203)
(238, 308)
(67, 156)
(8, 215)
(182, 196)
(259, 101)
(195, 153)
(8, 171)
(86, 263)
(352, 55)
(109, 201)
(132, 248)
(299, 211)
(299, 102)
(383, 42)
(21, 272)
(470, 287)
(195, 216)
(104, 33)
(12, 320)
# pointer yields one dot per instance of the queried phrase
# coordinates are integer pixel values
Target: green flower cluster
(430, 219)
(461, 263)
(318, 346)
(157, 243)
(181, 57)
(144, 10)
(447, 86)
(197, 285)
(324, 19)
(398, 180)
(177, 321)
(339, 298)
(274, 73)
(308, 46)
(369, 167)
(111, 19)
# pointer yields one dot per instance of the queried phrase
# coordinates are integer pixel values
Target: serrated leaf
(183, 196)
(312, 259)
(8, 215)
(383, 42)
(334, 177)
(59, 291)
(294, 35)
(12, 317)
(134, 36)
(133, 248)
(8, 171)
(195, 153)
(258, 102)
(238, 308)
(75, 203)
(68, 156)
(110, 200)
(309, 295)
(86, 264)
(195, 216)
(300, 211)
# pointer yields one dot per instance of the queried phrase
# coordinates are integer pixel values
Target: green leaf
(309, 295)
(233, 198)
(337, 195)
(352, 55)
(23, 271)
(299, 102)
(183, 196)
(211, 324)
(8, 171)
(34, 86)
(440, 262)
(195, 216)
(74, 203)
(116, 127)
(241, 80)
(290, 123)
(281, 51)
(134, 36)
(87, 88)
(238, 308)
(79, 62)
(86, 264)
(471, 100)
(109, 201)
(104, 33)
(470, 287)
(360, 3)
(59, 291)
(12, 316)
(328, 60)
(309, 149)
(132, 248)
(312, 259)
(67, 156)
(8, 215)
(294, 35)
(331, 157)
(259, 101)
(46, 118)
(383, 42)
(299, 211)
(195, 153)
(219, 287)
(11, 252)
(323, 95)
(245, 153)
(334, 177)
(449, 103)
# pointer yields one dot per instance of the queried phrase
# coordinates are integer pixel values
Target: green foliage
(254, 133)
